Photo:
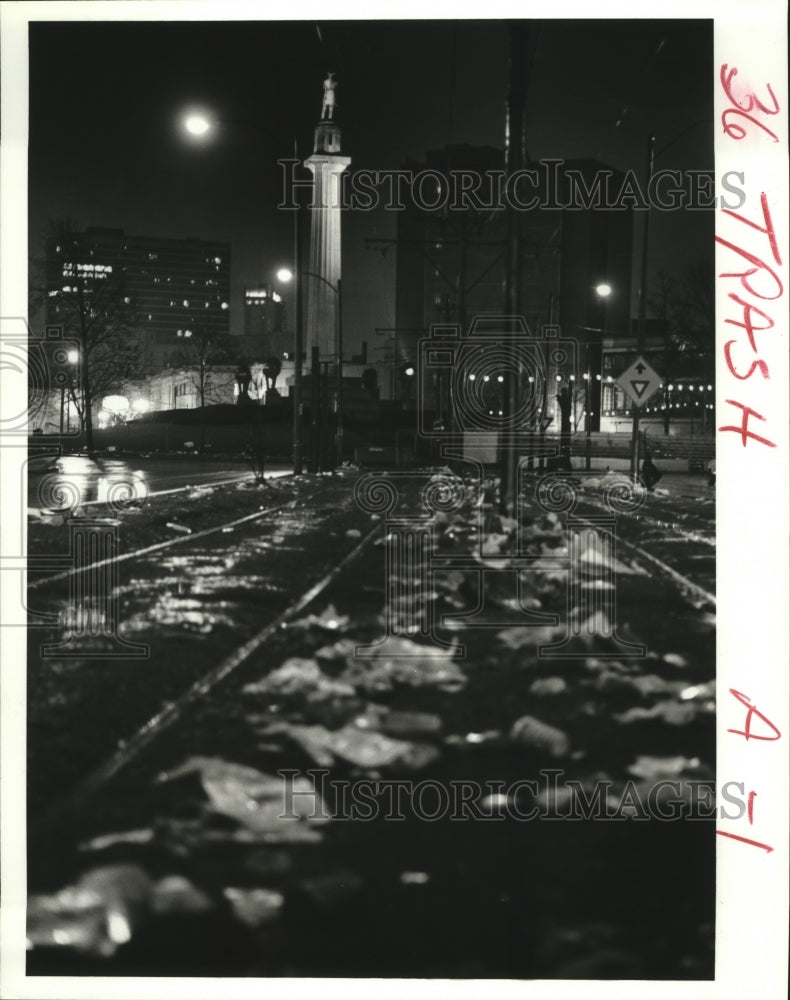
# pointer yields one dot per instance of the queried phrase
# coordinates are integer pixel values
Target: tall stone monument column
(324, 259)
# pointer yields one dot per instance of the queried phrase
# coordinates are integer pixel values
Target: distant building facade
(264, 313)
(176, 288)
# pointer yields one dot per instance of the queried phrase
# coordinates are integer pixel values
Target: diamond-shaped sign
(639, 381)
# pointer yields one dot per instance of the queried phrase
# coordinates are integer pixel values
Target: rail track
(150, 728)
(643, 522)
(204, 685)
(219, 663)
(180, 540)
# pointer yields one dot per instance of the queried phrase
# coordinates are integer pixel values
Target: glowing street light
(604, 290)
(285, 274)
(73, 357)
(197, 124)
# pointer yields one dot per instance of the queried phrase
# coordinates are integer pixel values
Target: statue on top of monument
(328, 107)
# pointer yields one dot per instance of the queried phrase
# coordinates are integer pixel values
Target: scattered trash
(472, 739)
(360, 747)
(548, 685)
(529, 636)
(540, 736)
(176, 894)
(496, 802)
(255, 907)
(699, 691)
(655, 768)
(676, 714)
(179, 527)
(52, 519)
(259, 802)
(414, 878)
(144, 836)
(96, 916)
(410, 724)
(298, 676)
(408, 664)
(328, 619)
(481, 737)
(353, 533)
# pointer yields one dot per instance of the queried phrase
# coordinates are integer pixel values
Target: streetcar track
(174, 710)
(179, 540)
(677, 577)
(171, 712)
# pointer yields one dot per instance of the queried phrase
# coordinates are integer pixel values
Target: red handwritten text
(758, 278)
(742, 106)
(751, 712)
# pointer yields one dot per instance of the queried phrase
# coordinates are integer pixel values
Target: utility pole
(315, 386)
(339, 438)
(87, 400)
(299, 339)
(514, 161)
(640, 340)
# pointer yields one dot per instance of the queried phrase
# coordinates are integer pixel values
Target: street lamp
(603, 290)
(73, 358)
(285, 274)
(198, 125)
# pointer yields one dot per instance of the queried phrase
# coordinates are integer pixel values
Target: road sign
(639, 381)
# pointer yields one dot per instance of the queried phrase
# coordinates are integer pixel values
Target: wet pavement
(261, 831)
(69, 481)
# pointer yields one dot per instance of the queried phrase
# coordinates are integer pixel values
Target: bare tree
(687, 306)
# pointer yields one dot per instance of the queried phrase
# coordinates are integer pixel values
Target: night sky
(106, 148)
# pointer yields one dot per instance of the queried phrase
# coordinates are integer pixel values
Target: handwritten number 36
(749, 102)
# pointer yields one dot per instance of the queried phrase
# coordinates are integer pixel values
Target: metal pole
(298, 338)
(514, 160)
(315, 385)
(651, 142)
(339, 373)
(87, 398)
(587, 415)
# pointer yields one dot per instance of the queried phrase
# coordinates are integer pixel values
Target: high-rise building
(174, 288)
(264, 312)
